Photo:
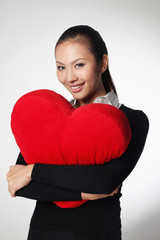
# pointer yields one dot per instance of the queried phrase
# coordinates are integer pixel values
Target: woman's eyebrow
(59, 62)
(72, 61)
(78, 59)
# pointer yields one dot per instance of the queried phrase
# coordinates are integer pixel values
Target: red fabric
(49, 130)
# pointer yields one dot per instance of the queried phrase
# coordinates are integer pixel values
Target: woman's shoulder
(135, 116)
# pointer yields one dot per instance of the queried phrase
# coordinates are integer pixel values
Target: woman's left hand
(91, 196)
(18, 177)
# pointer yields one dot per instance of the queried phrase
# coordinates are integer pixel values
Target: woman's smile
(76, 88)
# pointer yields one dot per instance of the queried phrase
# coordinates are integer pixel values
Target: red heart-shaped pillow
(49, 130)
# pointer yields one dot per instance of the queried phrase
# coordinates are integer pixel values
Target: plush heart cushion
(49, 130)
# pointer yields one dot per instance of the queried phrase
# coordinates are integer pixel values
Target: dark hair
(96, 46)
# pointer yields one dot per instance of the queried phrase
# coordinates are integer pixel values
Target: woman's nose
(71, 76)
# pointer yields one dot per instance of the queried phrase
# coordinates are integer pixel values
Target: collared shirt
(109, 98)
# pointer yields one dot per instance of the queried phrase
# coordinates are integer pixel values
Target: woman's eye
(60, 68)
(79, 65)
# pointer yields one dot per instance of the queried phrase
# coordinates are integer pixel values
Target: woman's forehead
(72, 50)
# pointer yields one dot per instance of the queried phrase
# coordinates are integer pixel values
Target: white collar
(110, 98)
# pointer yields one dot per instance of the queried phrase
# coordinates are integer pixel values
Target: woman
(82, 67)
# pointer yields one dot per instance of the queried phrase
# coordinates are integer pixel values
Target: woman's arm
(36, 190)
(99, 178)
(43, 192)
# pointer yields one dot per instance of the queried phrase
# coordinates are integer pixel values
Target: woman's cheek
(61, 78)
(85, 75)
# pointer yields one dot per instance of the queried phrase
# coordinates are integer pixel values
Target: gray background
(29, 30)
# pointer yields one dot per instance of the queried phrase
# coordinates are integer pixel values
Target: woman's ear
(104, 63)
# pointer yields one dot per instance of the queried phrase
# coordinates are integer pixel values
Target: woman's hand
(91, 196)
(18, 177)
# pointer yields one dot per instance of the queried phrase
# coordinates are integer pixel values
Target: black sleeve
(45, 192)
(99, 178)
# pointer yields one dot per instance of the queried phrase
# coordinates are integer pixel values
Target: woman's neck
(90, 99)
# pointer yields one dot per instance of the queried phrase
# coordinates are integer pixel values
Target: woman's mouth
(76, 88)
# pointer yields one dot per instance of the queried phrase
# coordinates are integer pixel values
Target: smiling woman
(82, 67)
(79, 72)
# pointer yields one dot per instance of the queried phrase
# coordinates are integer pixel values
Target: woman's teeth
(78, 86)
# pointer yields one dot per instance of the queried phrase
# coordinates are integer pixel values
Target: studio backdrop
(29, 30)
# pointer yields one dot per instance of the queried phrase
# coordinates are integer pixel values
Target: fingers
(10, 187)
(12, 194)
(9, 172)
(11, 190)
(10, 168)
(17, 178)
(114, 192)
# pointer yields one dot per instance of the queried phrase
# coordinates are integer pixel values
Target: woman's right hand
(18, 177)
(90, 196)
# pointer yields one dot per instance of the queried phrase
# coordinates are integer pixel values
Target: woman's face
(78, 71)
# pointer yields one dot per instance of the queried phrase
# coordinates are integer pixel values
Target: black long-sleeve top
(66, 182)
